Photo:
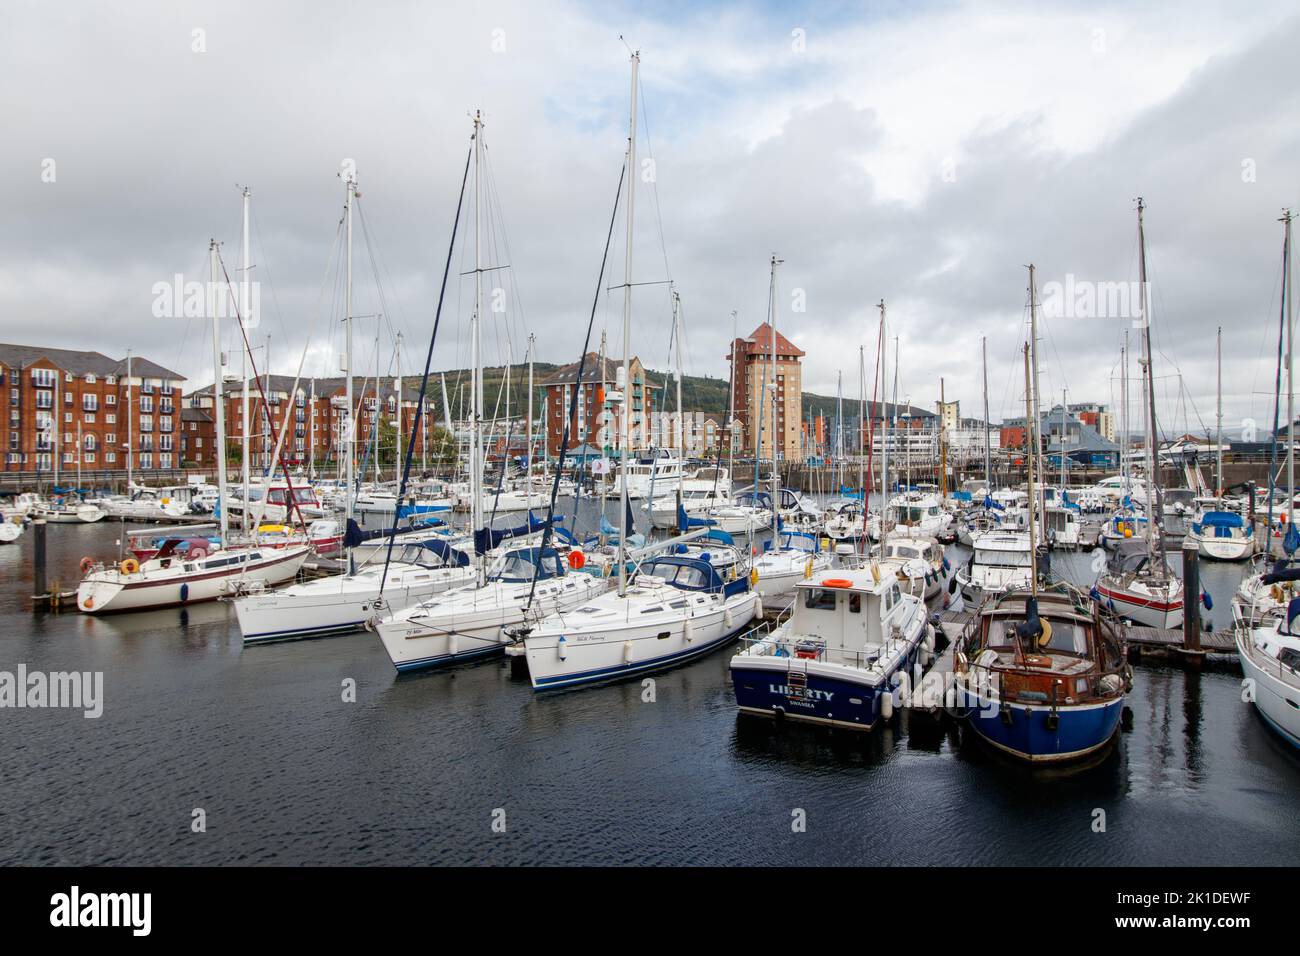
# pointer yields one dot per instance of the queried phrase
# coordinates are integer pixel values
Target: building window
(110, 399)
(110, 457)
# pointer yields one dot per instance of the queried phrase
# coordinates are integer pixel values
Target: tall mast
(1288, 295)
(1218, 412)
(244, 254)
(776, 431)
(1148, 397)
(943, 442)
(476, 373)
(731, 405)
(884, 416)
(218, 396)
(1060, 446)
(397, 387)
(347, 434)
(130, 427)
(1030, 413)
(1123, 417)
(528, 452)
(627, 336)
(1033, 364)
(681, 435)
(988, 457)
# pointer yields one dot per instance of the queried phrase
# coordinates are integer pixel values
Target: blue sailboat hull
(1024, 730)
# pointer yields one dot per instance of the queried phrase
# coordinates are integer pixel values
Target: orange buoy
(89, 603)
(129, 566)
(577, 560)
(837, 583)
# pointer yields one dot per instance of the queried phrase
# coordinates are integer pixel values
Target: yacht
(920, 511)
(523, 584)
(838, 660)
(1141, 587)
(1002, 561)
(796, 556)
(171, 578)
(1222, 536)
(1269, 651)
(1042, 674)
(676, 608)
(342, 603)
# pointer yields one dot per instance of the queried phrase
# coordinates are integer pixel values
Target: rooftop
(80, 362)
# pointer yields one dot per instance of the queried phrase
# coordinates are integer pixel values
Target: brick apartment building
(69, 407)
(597, 422)
(753, 366)
(315, 418)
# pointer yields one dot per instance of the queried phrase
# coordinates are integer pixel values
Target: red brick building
(70, 408)
(315, 414)
(597, 422)
(752, 370)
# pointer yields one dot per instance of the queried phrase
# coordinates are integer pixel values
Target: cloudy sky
(918, 153)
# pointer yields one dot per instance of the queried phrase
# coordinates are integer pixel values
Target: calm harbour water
(287, 773)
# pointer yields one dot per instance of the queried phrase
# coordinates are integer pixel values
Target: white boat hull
(1277, 702)
(111, 591)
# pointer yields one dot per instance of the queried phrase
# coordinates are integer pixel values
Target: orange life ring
(129, 566)
(837, 583)
(86, 564)
(577, 560)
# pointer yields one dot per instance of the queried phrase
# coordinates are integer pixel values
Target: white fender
(561, 649)
(887, 705)
(727, 619)
(451, 643)
(758, 606)
(688, 631)
(627, 652)
(928, 643)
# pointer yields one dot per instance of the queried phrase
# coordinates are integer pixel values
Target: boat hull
(109, 592)
(1148, 612)
(1024, 730)
(1276, 702)
(628, 651)
(764, 686)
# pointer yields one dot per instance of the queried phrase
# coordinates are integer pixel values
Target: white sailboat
(1145, 591)
(171, 578)
(677, 607)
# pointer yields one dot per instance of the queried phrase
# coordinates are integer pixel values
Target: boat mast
(627, 336)
(1218, 413)
(731, 406)
(943, 442)
(528, 453)
(1289, 298)
(988, 458)
(1029, 459)
(681, 437)
(347, 433)
(244, 255)
(1033, 362)
(1060, 446)
(397, 387)
(476, 372)
(884, 417)
(776, 431)
(130, 429)
(1123, 415)
(1149, 400)
(218, 398)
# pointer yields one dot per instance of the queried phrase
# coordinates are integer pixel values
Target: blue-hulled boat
(1042, 673)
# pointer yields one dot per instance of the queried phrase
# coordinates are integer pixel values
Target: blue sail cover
(1222, 523)
(686, 522)
(485, 539)
(449, 555)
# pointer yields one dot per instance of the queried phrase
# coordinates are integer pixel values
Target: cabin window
(855, 603)
(819, 599)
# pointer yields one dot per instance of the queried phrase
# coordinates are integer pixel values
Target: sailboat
(1145, 591)
(1042, 671)
(342, 603)
(475, 620)
(173, 577)
(673, 607)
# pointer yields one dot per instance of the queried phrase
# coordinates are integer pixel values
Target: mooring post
(38, 557)
(1191, 598)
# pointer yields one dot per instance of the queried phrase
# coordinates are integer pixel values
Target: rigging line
(383, 320)
(275, 300)
(654, 181)
(494, 200)
(266, 406)
(424, 379)
(573, 402)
